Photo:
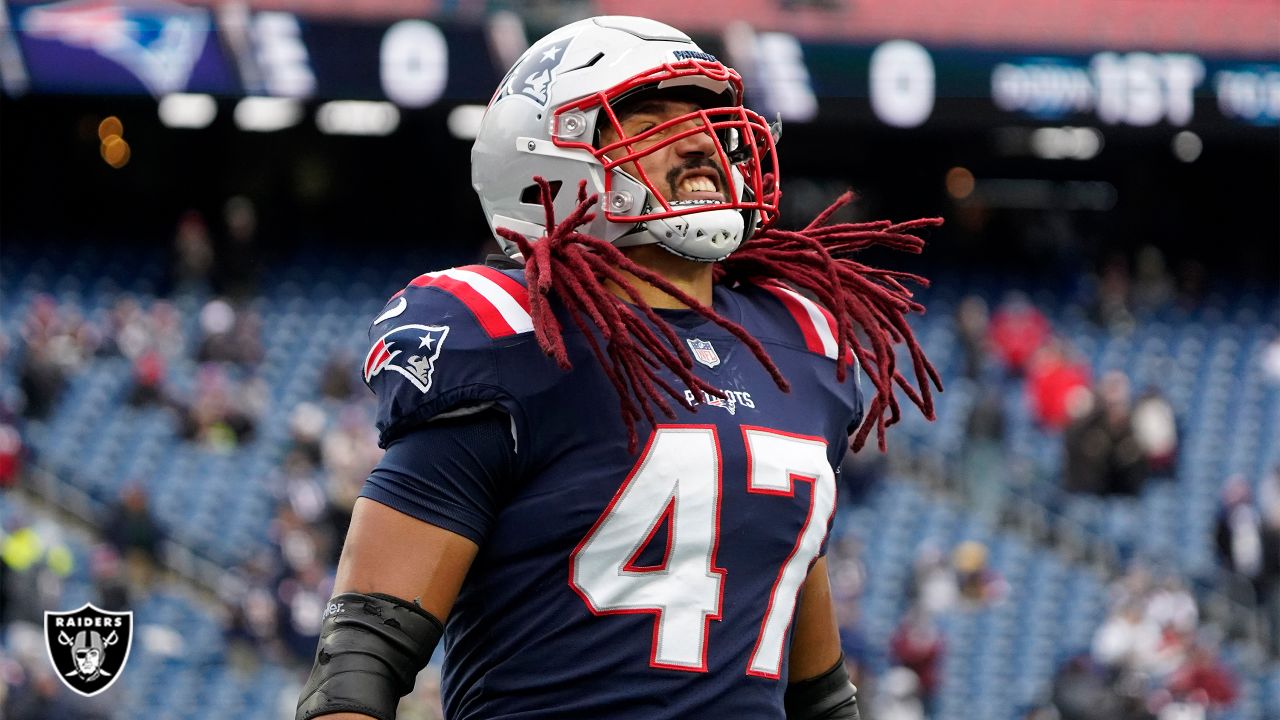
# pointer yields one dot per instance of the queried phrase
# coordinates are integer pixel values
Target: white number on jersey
(678, 481)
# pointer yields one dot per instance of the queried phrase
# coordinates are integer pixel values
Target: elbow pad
(371, 649)
(829, 696)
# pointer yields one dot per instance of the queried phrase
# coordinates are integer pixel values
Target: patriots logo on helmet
(159, 42)
(410, 350)
(533, 77)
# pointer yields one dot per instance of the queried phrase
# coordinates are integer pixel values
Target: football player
(610, 463)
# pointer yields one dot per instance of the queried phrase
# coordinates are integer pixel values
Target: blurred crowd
(942, 582)
(205, 373)
(1151, 658)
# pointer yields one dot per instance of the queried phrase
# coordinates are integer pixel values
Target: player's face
(87, 661)
(687, 169)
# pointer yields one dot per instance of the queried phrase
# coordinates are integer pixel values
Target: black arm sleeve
(830, 696)
(450, 473)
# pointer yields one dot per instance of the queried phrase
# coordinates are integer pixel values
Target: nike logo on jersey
(396, 309)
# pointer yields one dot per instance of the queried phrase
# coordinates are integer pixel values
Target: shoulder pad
(431, 346)
(816, 323)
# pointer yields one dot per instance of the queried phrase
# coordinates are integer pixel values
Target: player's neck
(694, 278)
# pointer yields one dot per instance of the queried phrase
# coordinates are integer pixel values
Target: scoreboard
(159, 47)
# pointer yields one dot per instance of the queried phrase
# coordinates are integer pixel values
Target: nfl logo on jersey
(703, 352)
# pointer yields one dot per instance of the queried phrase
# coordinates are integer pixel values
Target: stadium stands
(1055, 553)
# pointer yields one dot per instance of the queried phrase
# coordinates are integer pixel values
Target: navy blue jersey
(610, 584)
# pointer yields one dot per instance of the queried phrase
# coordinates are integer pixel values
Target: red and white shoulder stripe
(817, 325)
(498, 301)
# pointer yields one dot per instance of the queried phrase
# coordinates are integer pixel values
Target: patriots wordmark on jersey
(660, 584)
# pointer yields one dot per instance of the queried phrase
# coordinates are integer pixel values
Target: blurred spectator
(192, 254)
(1246, 545)
(252, 625)
(134, 533)
(1152, 283)
(132, 332)
(985, 463)
(306, 431)
(42, 697)
(858, 475)
(1271, 361)
(1018, 329)
(917, 645)
(848, 578)
(897, 696)
(1128, 639)
(109, 581)
(934, 586)
(301, 489)
(973, 330)
(128, 332)
(340, 379)
(1057, 385)
(349, 451)
(1102, 454)
(1155, 429)
(228, 335)
(1203, 679)
(217, 318)
(11, 450)
(1082, 691)
(1269, 493)
(34, 562)
(223, 413)
(148, 381)
(1171, 605)
(979, 584)
(166, 330)
(239, 265)
(846, 569)
(42, 379)
(303, 596)
(1111, 301)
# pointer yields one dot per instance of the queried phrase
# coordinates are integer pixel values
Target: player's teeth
(698, 184)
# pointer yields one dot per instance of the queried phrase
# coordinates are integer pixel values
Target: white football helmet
(545, 119)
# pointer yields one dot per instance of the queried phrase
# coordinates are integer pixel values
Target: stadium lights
(267, 114)
(464, 121)
(357, 117)
(1066, 143)
(187, 110)
(1187, 146)
(960, 182)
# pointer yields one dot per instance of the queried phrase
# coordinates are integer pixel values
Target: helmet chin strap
(705, 236)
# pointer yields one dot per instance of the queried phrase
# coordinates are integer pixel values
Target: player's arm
(414, 534)
(818, 686)
(376, 561)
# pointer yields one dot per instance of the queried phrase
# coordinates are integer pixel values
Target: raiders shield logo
(88, 647)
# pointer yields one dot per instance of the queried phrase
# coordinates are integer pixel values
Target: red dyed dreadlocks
(576, 267)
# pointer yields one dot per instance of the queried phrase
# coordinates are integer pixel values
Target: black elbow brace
(371, 649)
(830, 696)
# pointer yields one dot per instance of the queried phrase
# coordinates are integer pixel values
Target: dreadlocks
(815, 259)
(576, 267)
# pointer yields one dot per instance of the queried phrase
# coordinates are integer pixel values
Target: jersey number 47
(678, 480)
